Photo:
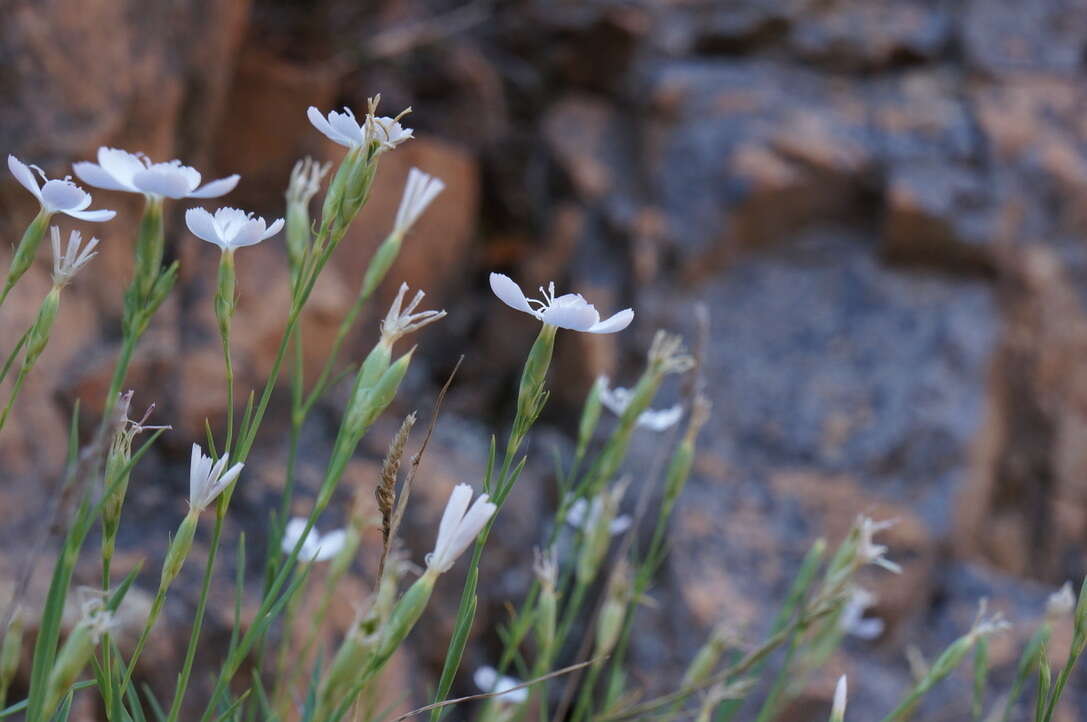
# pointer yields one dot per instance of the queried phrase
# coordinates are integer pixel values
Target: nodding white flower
(230, 228)
(57, 196)
(837, 711)
(491, 682)
(419, 191)
(379, 133)
(93, 612)
(870, 552)
(570, 311)
(316, 547)
(852, 621)
(119, 170)
(459, 527)
(400, 322)
(305, 180)
(618, 399)
(208, 478)
(585, 515)
(67, 263)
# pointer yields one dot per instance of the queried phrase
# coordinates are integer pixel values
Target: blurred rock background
(880, 203)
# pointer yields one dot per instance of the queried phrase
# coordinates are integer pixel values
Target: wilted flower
(570, 311)
(870, 552)
(459, 527)
(853, 620)
(381, 133)
(419, 191)
(57, 196)
(230, 228)
(585, 515)
(618, 399)
(208, 478)
(490, 681)
(305, 180)
(119, 170)
(93, 612)
(316, 547)
(401, 321)
(545, 565)
(68, 262)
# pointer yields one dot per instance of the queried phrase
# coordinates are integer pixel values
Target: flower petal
(345, 124)
(321, 123)
(329, 545)
(451, 519)
(163, 179)
(202, 225)
(94, 175)
(121, 165)
(92, 216)
(576, 317)
(509, 292)
(273, 229)
(616, 323)
(216, 188)
(251, 232)
(24, 175)
(58, 195)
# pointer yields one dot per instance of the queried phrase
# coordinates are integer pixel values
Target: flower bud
(27, 249)
(179, 549)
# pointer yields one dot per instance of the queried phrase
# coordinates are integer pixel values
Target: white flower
(853, 620)
(399, 322)
(584, 515)
(837, 711)
(57, 196)
(119, 170)
(230, 228)
(618, 399)
(419, 191)
(569, 311)
(316, 547)
(305, 180)
(207, 479)
(68, 262)
(381, 133)
(490, 681)
(868, 550)
(459, 527)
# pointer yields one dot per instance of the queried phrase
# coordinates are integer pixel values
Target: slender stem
(198, 620)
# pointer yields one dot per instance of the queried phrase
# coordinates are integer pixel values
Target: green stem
(198, 620)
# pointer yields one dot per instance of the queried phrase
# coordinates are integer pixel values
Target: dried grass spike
(386, 490)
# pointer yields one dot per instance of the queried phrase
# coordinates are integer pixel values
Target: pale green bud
(27, 249)
(179, 550)
(590, 416)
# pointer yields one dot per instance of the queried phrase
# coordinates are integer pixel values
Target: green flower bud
(225, 293)
(150, 242)
(179, 550)
(27, 249)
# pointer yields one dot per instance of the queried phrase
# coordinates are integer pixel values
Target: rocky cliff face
(880, 205)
